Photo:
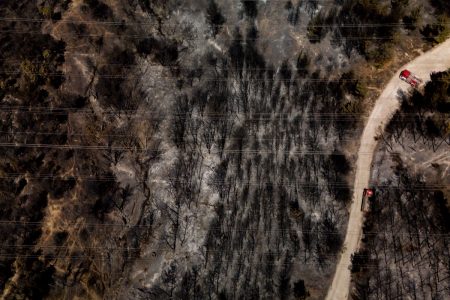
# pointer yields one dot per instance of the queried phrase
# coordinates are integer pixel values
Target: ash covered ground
(185, 149)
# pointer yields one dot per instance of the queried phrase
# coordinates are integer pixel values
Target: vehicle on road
(410, 78)
(367, 193)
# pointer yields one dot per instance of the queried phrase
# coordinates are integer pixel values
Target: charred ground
(157, 149)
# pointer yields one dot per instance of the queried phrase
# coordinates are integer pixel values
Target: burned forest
(207, 149)
(405, 243)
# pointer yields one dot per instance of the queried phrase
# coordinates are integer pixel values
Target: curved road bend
(437, 59)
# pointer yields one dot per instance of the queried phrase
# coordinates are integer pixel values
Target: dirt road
(437, 59)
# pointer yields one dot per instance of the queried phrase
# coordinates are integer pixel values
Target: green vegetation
(431, 109)
(30, 71)
(437, 32)
(253, 119)
(374, 42)
(44, 72)
(31, 77)
(413, 19)
(378, 54)
(46, 11)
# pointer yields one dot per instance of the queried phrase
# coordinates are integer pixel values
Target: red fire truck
(367, 193)
(410, 78)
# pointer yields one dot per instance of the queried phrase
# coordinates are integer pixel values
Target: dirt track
(437, 59)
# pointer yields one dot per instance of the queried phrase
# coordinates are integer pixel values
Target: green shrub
(46, 11)
(438, 32)
(413, 19)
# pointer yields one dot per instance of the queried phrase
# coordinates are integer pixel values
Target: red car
(410, 78)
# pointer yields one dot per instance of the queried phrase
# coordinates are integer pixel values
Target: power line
(219, 229)
(141, 36)
(275, 77)
(178, 67)
(123, 23)
(136, 149)
(151, 112)
(71, 134)
(140, 149)
(140, 258)
(56, 110)
(205, 79)
(206, 119)
(175, 179)
(200, 79)
(257, 183)
(78, 248)
(102, 135)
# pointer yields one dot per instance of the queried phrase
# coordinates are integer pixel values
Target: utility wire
(61, 74)
(191, 114)
(168, 180)
(136, 149)
(221, 229)
(156, 66)
(200, 79)
(132, 258)
(123, 23)
(141, 36)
